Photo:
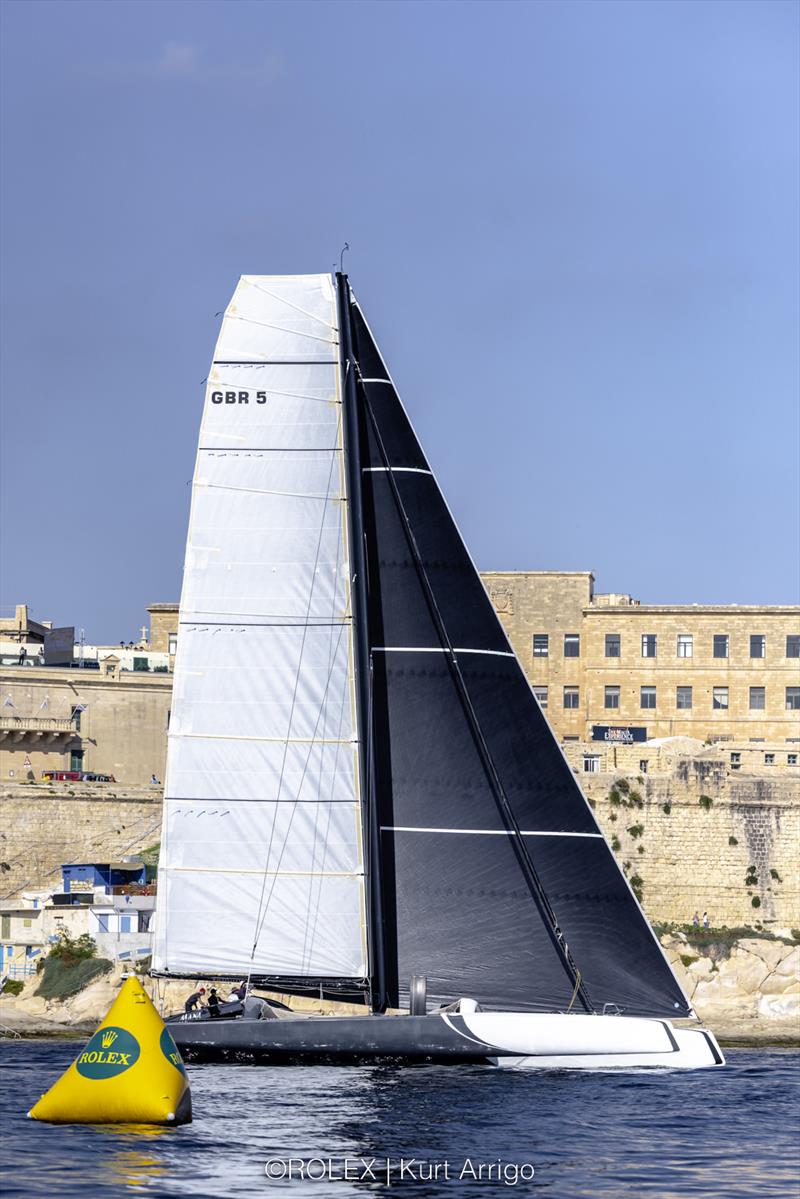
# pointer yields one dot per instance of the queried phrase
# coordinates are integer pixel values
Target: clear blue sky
(573, 227)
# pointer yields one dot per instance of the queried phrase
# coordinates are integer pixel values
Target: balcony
(36, 728)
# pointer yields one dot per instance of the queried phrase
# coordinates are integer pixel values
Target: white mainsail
(261, 865)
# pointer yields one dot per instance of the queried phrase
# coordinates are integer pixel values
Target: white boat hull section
(693, 1053)
(525, 1040)
(580, 1042)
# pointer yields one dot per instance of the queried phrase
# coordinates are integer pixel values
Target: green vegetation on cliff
(70, 966)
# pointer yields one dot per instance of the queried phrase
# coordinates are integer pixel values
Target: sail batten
(485, 832)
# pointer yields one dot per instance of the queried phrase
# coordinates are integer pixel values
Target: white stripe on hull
(583, 1042)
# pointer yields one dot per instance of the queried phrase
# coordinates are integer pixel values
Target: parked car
(91, 776)
(62, 776)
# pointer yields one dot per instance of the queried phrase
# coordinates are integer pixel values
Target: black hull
(555, 1040)
(335, 1040)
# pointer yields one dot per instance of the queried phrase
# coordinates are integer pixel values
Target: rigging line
(331, 653)
(311, 930)
(529, 870)
(308, 941)
(249, 320)
(259, 921)
(295, 803)
(299, 788)
(575, 992)
(294, 495)
(282, 300)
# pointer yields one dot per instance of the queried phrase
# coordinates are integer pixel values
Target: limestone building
(60, 718)
(608, 668)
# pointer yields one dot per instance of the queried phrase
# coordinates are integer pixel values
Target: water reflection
(603, 1136)
(133, 1161)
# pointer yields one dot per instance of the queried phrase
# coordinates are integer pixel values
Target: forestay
(261, 866)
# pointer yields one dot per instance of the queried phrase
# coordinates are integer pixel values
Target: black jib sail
(495, 880)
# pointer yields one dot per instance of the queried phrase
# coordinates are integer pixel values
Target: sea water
(422, 1131)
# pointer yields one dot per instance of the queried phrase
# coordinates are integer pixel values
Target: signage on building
(59, 646)
(618, 735)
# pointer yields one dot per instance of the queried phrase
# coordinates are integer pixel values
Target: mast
(351, 425)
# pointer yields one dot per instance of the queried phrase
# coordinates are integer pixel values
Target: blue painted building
(86, 877)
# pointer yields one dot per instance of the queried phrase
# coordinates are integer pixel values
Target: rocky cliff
(747, 990)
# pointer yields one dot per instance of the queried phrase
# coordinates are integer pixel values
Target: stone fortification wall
(683, 853)
(703, 839)
(40, 829)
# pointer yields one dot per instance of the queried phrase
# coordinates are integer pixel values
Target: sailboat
(363, 799)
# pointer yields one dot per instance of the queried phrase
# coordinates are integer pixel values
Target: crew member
(193, 1000)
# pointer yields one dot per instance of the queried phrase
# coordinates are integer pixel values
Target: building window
(721, 645)
(613, 643)
(172, 643)
(570, 737)
(791, 759)
(793, 645)
(541, 645)
(571, 697)
(572, 645)
(541, 695)
(758, 645)
(793, 699)
(719, 699)
(757, 699)
(736, 761)
(683, 698)
(769, 759)
(591, 763)
(102, 924)
(612, 697)
(685, 645)
(643, 765)
(649, 645)
(647, 697)
(75, 718)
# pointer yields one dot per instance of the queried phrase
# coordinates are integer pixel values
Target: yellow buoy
(130, 1072)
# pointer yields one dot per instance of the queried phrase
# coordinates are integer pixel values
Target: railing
(37, 724)
(21, 971)
(133, 889)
